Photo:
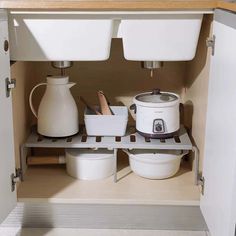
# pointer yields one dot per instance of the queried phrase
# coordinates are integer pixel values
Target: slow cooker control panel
(158, 126)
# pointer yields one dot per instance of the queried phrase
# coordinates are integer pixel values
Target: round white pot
(87, 164)
(155, 165)
(157, 114)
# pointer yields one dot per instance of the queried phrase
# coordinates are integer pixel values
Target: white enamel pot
(157, 114)
(88, 164)
(152, 164)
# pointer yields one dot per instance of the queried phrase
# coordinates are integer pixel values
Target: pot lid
(89, 154)
(160, 152)
(156, 97)
(155, 156)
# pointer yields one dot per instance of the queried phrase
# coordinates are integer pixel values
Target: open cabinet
(219, 169)
(166, 204)
(8, 196)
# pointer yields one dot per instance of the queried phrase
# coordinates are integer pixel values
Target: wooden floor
(52, 184)
(95, 232)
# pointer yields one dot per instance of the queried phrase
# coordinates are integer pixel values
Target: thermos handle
(30, 99)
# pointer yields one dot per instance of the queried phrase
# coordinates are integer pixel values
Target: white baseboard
(106, 216)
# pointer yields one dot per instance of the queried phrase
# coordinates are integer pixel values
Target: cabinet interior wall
(120, 80)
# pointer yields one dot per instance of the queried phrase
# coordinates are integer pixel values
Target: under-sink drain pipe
(62, 65)
(152, 65)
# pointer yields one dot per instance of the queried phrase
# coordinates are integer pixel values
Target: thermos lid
(58, 80)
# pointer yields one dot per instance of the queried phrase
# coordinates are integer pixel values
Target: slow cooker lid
(156, 97)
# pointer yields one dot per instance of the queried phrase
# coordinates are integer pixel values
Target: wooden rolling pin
(104, 106)
(45, 160)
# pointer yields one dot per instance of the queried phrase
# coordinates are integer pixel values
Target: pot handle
(30, 99)
(133, 108)
(184, 152)
(126, 151)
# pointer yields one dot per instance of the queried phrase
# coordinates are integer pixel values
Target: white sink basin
(78, 36)
(58, 37)
(168, 37)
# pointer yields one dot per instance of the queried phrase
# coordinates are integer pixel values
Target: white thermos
(57, 114)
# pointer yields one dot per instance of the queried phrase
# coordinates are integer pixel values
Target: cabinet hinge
(15, 178)
(201, 182)
(210, 43)
(10, 84)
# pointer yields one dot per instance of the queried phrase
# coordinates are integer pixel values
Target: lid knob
(156, 91)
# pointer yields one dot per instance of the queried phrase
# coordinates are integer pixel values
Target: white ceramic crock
(157, 114)
(57, 114)
(88, 164)
(155, 164)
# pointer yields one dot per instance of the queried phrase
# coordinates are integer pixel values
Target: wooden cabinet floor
(52, 184)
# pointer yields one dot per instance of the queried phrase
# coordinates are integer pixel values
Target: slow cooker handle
(133, 108)
(156, 91)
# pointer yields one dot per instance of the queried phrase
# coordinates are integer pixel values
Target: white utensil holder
(107, 125)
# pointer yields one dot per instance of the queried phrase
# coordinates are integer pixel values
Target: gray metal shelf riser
(140, 142)
(128, 146)
(81, 140)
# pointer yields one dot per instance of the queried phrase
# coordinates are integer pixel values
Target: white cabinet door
(218, 202)
(7, 159)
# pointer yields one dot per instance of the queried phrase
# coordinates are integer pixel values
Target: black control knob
(158, 127)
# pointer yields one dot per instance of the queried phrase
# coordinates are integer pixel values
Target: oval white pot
(155, 165)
